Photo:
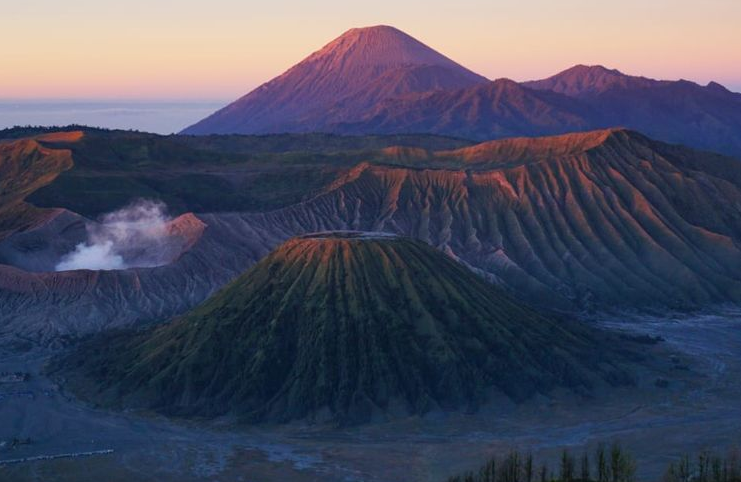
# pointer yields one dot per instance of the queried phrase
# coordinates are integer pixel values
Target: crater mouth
(360, 235)
(66, 241)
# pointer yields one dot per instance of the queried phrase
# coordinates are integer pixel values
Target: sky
(221, 49)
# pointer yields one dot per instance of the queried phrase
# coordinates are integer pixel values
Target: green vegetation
(706, 467)
(203, 173)
(605, 464)
(349, 328)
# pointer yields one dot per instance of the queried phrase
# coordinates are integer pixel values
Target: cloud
(134, 236)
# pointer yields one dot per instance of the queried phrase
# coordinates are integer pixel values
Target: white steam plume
(134, 236)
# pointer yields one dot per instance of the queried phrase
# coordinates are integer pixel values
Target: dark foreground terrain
(698, 409)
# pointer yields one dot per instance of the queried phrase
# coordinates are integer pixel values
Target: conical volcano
(349, 327)
(359, 69)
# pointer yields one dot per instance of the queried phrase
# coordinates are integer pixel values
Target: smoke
(134, 236)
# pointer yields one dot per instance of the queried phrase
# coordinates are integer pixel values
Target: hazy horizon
(224, 100)
(156, 116)
(223, 49)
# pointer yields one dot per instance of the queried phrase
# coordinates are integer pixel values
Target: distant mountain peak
(373, 32)
(340, 72)
(581, 80)
(716, 87)
(380, 80)
(372, 28)
(376, 46)
(583, 68)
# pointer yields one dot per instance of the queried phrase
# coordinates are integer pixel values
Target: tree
(622, 466)
(567, 467)
(732, 467)
(529, 468)
(584, 473)
(603, 470)
(489, 471)
(615, 464)
(671, 474)
(703, 467)
(510, 470)
(717, 469)
(684, 470)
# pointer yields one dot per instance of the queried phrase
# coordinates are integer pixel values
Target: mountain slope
(584, 80)
(489, 110)
(579, 99)
(707, 117)
(594, 220)
(347, 326)
(603, 220)
(25, 167)
(624, 218)
(360, 68)
(379, 80)
(74, 177)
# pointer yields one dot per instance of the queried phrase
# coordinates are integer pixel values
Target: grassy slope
(350, 325)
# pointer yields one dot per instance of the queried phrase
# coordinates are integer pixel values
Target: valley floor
(698, 409)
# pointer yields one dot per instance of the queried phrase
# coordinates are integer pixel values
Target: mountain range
(601, 220)
(377, 235)
(379, 80)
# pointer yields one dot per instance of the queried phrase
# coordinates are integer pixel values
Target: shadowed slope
(707, 117)
(490, 110)
(578, 99)
(584, 80)
(351, 326)
(204, 173)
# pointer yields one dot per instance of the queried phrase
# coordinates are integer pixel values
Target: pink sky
(221, 49)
